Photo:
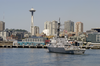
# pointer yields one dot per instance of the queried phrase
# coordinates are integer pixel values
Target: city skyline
(16, 14)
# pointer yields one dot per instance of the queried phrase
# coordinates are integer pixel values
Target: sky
(16, 15)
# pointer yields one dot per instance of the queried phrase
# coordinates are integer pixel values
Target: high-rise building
(2, 25)
(36, 30)
(54, 27)
(69, 26)
(48, 25)
(78, 27)
(51, 26)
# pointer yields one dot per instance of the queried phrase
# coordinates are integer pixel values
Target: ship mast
(58, 29)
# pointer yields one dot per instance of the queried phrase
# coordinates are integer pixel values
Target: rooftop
(78, 22)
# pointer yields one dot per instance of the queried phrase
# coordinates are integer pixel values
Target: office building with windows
(78, 27)
(2, 25)
(69, 26)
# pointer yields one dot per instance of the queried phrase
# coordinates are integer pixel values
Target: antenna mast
(3, 16)
(58, 29)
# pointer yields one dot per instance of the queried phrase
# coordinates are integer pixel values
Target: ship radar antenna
(3, 16)
(59, 19)
(58, 29)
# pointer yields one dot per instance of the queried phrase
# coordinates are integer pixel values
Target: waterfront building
(78, 27)
(2, 25)
(94, 39)
(69, 26)
(32, 41)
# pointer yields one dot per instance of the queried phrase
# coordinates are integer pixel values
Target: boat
(61, 45)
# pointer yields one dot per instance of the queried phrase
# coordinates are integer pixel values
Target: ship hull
(62, 50)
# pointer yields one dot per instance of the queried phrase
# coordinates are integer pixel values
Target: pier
(10, 46)
(90, 47)
(18, 46)
(6, 43)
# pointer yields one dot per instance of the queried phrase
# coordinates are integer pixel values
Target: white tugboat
(61, 45)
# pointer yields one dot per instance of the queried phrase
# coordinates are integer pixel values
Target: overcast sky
(16, 15)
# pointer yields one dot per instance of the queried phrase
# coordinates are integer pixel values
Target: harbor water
(41, 57)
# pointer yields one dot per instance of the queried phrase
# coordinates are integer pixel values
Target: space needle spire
(32, 25)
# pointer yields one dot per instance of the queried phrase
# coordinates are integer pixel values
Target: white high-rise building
(51, 26)
(48, 25)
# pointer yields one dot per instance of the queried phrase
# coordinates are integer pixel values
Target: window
(46, 26)
(98, 40)
(30, 39)
(37, 39)
(27, 39)
(41, 39)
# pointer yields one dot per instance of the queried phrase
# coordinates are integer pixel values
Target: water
(40, 57)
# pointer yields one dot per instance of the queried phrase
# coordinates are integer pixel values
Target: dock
(90, 47)
(10, 46)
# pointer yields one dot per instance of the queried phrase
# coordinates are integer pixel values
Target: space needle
(32, 26)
